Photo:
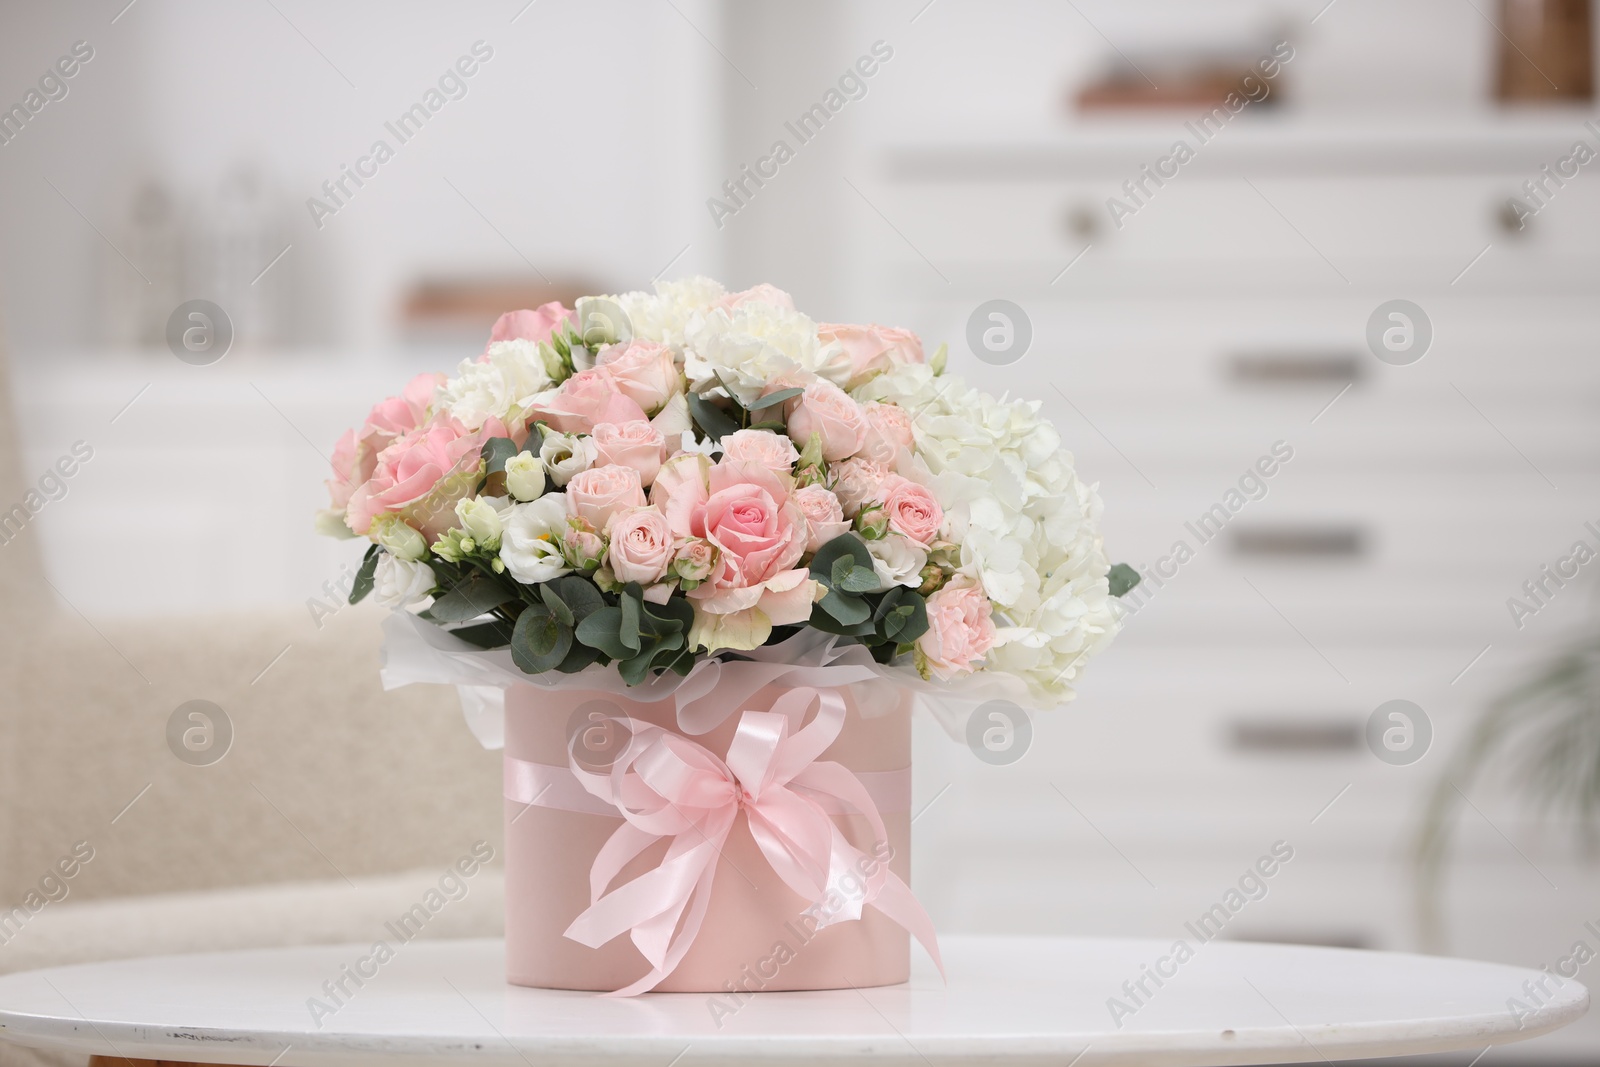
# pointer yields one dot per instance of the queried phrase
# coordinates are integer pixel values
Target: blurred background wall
(1214, 321)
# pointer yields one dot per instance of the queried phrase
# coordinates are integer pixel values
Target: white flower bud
(525, 476)
(402, 541)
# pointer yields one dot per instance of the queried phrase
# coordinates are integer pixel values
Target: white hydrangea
(1028, 529)
(499, 385)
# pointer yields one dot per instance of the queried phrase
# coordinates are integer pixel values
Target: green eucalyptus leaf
(495, 634)
(773, 399)
(845, 546)
(602, 630)
(496, 450)
(1122, 578)
(846, 609)
(578, 594)
(363, 583)
(628, 630)
(713, 420)
(539, 642)
(578, 657)
(475, 595)
(557, 606)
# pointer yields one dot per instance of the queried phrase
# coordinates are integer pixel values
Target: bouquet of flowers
(650, 479)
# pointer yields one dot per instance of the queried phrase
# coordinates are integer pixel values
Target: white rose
(898, 561)
(497, 386)
(399, 583)
(393, 533)
(566, 454)
(525, 476)
(530, 546)
(480, 519)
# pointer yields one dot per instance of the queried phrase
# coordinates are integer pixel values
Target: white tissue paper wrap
(415, 650)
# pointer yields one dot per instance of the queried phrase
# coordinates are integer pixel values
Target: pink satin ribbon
(666, 785)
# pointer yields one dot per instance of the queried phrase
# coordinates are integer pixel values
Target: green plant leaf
(1122, 578)
(496, 634)
(850, 577)
(845, 546)
(578, 657)
(475, 595)
(557, 606)
(774, 399)
(602, 630)
(713, 420)
(363, 583)
(496, 450)
(845, 609)
(628, 629)
(539, 642)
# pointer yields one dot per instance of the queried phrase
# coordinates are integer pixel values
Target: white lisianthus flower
(898, 561)
(497, 386)
(400, 583)
(566, 454)
(525, 476)
(530, 545)
(1027, 528)
(401, 539)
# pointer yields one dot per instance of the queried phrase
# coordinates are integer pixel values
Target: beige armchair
(333, 810)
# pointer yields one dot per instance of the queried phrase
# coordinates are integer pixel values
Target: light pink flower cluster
(619, 481)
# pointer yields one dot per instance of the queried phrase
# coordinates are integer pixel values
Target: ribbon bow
(665, 785)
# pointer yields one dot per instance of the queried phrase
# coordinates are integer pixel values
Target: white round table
(1013, 1000)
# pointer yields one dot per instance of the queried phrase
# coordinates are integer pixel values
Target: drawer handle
(1302, 542)
(1293, 736)
(1296, 368)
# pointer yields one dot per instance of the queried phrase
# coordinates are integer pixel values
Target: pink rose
(764, 293)
(694, 561)
(587, 398)
(761, 447)
(828, 411)
(644, 371)
(600, 492)
(759, 533)
(356, 455)
(872, 349)
(911, 508)
(824, 517)
(422, 475)
(641, 546)
(856, 483)
(960, 629)
(535, 325)
(631, 444)
(888, 432)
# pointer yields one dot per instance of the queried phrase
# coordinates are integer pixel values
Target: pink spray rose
(828, 411)
(641, 545)
(600, 492)
(872, 349)
(888, 432)
(856, 483)
(766, 294)
(422, 475)
(960, 629)
(824, 517)
(643, 371)
(635, 444)
(356, 455)
(535, 325)
(761, 447)
(911, 508)
(587, 398)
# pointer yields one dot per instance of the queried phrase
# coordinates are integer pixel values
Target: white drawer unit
(1227, 316)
